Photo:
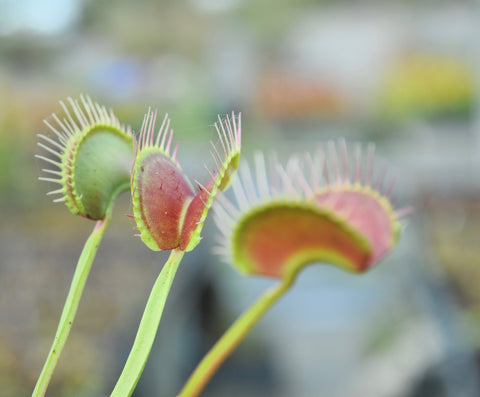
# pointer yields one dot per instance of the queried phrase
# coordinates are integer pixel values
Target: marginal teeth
(261, 175)
(250, 189)
(240, 194)
(77, 110)
(60, 136)
(42, 178)
(54, 172)
(369, 163)
(51, 142)
(55, 163)
(48, 149)
(58, 191)
(65, 130)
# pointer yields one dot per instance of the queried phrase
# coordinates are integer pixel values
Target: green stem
(71, 304)
(147, 329)
(231, 339)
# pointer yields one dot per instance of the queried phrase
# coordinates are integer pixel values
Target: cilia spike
(92, 154)
(321, 208)
(168, 211)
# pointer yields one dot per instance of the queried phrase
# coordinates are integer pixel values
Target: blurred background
(404, 74)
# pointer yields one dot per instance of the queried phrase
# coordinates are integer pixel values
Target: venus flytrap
(169, 213)
(316, 209)
(92, 161)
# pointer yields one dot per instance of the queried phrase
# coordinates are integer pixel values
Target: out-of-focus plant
(425, 86)
(92, 159)
(318, 209)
